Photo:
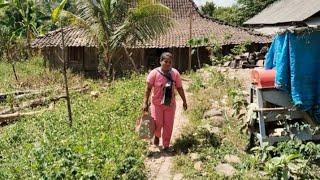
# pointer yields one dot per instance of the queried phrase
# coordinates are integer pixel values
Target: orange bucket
(263, 78)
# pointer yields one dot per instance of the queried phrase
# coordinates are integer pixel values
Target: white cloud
(217, 2)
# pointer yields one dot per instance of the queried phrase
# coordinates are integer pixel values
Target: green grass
(101, 143)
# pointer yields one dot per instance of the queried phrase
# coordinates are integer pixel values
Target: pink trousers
(164, 117)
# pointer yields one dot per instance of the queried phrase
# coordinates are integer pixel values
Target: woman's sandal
(156, 141)
(168, 150)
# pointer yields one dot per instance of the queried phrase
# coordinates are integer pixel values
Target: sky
(217, 2)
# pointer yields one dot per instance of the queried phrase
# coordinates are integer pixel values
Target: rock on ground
(198, 166)
(178, 176)
(212, 113)
(225, 170)
(194, 156)
(232, 159)
(217, 121)
(94, 94)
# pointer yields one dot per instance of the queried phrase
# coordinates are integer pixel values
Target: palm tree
(117, 24)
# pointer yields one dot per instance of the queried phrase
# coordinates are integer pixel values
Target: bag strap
(166, 76)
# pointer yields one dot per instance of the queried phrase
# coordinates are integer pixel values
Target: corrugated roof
(177, 36)
(286, 11)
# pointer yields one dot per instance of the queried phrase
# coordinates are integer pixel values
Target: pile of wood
(31, 102)
(248, 60)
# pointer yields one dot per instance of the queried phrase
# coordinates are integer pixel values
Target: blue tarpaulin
(296, 59)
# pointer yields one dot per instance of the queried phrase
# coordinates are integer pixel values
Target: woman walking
(162, 81)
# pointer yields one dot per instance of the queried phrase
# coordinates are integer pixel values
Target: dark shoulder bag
(167, 89)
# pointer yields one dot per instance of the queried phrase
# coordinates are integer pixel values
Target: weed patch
(212, 90)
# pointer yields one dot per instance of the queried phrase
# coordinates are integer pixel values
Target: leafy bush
(238, 100)
(206, 138)
(197, 84)
(291, 159)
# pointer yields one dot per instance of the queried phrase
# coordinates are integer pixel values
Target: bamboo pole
(190, 37)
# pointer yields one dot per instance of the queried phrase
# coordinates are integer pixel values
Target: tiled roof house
(175, 40)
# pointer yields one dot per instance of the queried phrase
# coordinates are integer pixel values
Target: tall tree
(228, 14)
(9, 45)
(208, 8)
(249, 8)
(117, 24)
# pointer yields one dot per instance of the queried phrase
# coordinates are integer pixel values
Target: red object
(262, 78)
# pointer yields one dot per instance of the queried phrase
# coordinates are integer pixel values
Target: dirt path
(159, 164)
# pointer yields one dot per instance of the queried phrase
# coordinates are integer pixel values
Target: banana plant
(3, 3)
(24, 17)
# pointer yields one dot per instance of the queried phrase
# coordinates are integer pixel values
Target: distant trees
(232, 15)
(208, 9)
(237, 14)
(22, 19)
(249, 8)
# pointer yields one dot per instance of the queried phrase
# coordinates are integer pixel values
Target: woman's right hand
(145, 107)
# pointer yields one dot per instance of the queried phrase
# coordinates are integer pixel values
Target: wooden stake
(190, 37)
(66, 79)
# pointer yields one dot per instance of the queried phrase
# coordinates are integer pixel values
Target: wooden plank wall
(123, 63)
(78, 58)
(181, 55)
(87, 59)
(53, 56)
(91, 59)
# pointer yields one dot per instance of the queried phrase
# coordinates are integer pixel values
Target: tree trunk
(28, 44)
(11, 57)
(66, 80)
(113, 74)
(13, 116)
(198, 57)
(33, 103)
(131, 59)
(109, 65)
(14, 71)
(28, 93)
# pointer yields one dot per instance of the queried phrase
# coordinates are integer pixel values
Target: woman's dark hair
(165, 55)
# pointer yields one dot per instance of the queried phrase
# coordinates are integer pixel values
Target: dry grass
(33, 75)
